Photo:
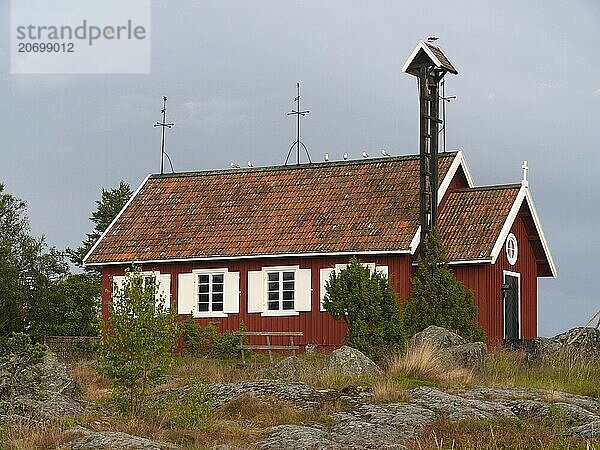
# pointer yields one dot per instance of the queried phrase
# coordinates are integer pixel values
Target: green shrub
(195, 409)
(207, 341)
(437, 298)
(366, 302)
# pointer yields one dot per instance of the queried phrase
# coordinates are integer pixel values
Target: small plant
(137, 343)
(196, 408)
(366, 302)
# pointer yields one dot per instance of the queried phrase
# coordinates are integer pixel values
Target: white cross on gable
(525, 168)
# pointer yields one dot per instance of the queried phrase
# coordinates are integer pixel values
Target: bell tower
(429, 65)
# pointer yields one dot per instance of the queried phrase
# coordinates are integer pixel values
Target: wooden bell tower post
(429, 64)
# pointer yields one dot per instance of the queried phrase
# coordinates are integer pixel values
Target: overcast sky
(528, 89)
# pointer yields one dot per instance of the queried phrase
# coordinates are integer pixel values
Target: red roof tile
(348, 206)
(471, 220)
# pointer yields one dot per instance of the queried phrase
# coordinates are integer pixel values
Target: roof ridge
(314, 165)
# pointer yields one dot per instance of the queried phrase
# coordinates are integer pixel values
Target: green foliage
(135, 352)
(19, 364)
(110, 204)
(195, 408)
(368, 305)
(69, 308)
(207, 341)
(437, 298)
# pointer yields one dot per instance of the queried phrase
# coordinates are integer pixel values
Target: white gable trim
(421, 46)
(113, 222)
(459, 161)
(524, 194)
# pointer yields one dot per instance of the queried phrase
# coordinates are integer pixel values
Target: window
(512, 249)
(210, 292)
(280, 290)
(161, 284)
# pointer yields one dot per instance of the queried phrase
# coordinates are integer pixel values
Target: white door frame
(517, 275)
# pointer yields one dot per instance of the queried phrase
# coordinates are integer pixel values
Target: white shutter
(186, 303)
(231, 302)
(340, 267)
(324, 275)
(303, 301)
(383, 270)
(256, 291)
(163, 290)
(117, 283)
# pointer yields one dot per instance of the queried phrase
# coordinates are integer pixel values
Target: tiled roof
(471, 220)
(347, 206)
(439, 54)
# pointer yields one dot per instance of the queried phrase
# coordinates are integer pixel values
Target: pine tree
(369, 307)
(438, 298)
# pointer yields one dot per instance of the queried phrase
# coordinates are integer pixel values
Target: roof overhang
(240, 257)
(423, 46)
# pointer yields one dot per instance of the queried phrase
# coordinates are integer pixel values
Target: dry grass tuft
(387, 390)
(423, 362)
(28, 434)
(94, 387)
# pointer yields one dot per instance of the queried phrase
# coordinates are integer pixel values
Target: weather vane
(164, 125)
(297, 112)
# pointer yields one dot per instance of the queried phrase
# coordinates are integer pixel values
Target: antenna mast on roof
(297, 112)
(164, 125)
(429, 65)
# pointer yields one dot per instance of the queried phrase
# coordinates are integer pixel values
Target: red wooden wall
(318, 327)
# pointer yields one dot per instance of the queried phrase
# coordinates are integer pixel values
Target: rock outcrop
(396, 425)
(570, 344)
(113, 440)
(351, 361)
(452, 348)
(291, 368)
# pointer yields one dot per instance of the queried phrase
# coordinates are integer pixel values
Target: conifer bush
(366, 302)
(438, 298)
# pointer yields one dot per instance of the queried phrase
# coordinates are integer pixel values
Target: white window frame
(280, 290)
(518, 276)
(511, 238)
(257, 297)
(157, 285)
(211, 272)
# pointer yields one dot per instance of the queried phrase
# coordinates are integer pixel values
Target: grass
(564, 373)
(242, 421)
(498, 433)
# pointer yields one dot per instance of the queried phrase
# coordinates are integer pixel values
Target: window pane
(273, 296)
(273, 276)
(217, 298)
(218, 278)
(203, 288)
(273, 286)
(218, 287)
(288, 305)
(217, 307)
(203, 279)
(203, 298)
(287, 276)
(202, 307)
(288, 285)
(288, 295)
(273, 306)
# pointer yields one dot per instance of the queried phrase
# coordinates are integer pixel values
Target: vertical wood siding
(318, 327)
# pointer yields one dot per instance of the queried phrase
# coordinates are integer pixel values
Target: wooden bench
(267, 334)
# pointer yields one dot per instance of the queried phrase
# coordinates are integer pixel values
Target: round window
(512, 250)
